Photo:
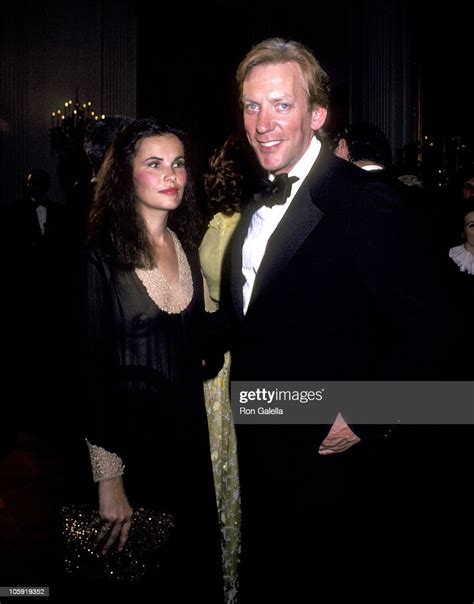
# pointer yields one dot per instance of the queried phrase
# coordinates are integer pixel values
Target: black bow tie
(278, 190)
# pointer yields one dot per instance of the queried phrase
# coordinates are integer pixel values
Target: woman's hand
(116, 513)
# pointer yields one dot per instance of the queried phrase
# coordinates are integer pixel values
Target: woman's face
(469, 228)
(159, 172)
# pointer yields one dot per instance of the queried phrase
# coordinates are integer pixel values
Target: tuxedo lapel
(34, 226)
(301, 218)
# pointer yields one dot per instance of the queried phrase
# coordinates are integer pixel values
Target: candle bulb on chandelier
(68, 125)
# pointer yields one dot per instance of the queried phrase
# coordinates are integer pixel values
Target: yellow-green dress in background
(221, 430)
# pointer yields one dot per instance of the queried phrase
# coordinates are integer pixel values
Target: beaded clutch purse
(149, 536)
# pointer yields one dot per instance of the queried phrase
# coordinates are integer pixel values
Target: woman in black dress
(141, 361)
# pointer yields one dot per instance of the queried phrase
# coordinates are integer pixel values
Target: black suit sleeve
(394, 255)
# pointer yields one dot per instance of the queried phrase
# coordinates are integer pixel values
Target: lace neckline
(171, 300)
(463, 258)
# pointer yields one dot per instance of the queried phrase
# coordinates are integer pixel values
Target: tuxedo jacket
(348, 289)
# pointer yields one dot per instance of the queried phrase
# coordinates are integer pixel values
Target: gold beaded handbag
(148, 539)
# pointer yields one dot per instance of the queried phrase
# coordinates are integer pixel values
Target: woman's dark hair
(100, 135)
(233, 176)
(115, 224)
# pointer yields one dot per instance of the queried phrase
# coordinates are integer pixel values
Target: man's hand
(340, 438)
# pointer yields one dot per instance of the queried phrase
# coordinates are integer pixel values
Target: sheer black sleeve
(101, 426)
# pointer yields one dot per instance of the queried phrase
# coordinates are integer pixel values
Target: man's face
(36, 187)
(342, 149)
(278, 122)
(468, 188)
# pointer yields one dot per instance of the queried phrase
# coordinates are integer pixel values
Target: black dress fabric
(143, 400)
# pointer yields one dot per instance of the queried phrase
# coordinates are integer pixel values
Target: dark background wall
(48, 51)
(188, 70)
(401, 65)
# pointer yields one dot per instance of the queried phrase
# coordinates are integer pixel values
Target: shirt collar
(372, 167)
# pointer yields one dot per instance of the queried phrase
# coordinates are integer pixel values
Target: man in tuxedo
(329, 280)
(364, 145)
(41, 222)
(468, 188)
(37, 257)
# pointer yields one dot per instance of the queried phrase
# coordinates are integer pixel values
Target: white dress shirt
(41, 212)
(372, 167)
(265, 221)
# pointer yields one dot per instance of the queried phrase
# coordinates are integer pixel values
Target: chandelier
(68, 125)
